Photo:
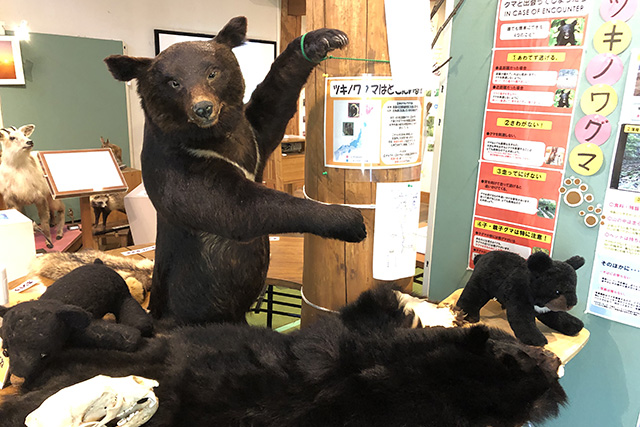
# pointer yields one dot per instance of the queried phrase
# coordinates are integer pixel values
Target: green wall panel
(69, 95)
(602, 381)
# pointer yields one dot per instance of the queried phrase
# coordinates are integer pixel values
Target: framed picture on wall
(11, 72)
(254, 57)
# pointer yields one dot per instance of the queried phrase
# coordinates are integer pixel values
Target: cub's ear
(575, 261)
(125, 68)
(539, 262)
(27, 130)
(234, 33)
(74, 316)
(3, 310)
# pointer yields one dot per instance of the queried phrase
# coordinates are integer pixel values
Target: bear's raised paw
(318, 43)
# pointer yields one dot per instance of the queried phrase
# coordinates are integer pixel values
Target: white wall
(133, 22)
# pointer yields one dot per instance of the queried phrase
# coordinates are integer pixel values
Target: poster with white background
(396, 230)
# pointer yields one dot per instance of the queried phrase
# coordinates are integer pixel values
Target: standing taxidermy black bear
(202, 162)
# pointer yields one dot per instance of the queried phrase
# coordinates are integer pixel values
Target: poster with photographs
(370, 123)
(535, 67)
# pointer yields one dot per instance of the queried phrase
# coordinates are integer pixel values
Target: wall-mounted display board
(614, 292)
(535, 70)
(11, 72)
(254, 57)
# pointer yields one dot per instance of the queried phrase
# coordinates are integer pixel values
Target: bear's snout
(203, 109)
(561, 303)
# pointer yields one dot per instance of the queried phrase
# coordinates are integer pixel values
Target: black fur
(566, 34)
(334, 373)
(519, 285)
(69, 313)
(214, 216)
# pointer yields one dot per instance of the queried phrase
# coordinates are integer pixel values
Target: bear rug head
(536, 287)
(70, 312)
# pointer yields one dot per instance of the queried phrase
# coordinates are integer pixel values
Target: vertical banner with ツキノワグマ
(537, 55)
(370, 122)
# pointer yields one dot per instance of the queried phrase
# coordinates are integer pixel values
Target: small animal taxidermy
(536, 287)
(22, 181)
(117, 151)
(136, 272)
(104, 204)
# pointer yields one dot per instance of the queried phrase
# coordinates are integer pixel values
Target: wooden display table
(564, 346)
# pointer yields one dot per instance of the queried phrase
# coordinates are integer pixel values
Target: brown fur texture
(117, 151)
(202, 163)
(22, 181)
(136, 272)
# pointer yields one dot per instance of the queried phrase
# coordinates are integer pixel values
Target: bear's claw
(319, 43)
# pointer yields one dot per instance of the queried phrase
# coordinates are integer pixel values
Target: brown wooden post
(335, 273)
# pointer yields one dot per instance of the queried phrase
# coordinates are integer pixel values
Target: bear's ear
(539, 262)
(74, 316)
(125, 68)
(234, 33)
(3, 310)
(98, 261)
(575, 261)
(27, 130)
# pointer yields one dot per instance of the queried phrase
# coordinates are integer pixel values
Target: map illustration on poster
(369, 123)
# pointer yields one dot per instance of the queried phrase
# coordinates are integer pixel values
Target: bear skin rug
(536, 287)
(203, 158)
(362, 367)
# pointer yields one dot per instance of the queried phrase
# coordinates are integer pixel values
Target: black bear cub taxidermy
(202, 162)
(536, 287)
(69, 314)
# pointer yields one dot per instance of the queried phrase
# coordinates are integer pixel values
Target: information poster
(535, 69)
(370, 123)
(396, 232)
(614, 292)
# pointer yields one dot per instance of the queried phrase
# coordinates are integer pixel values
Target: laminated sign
(535, 69)
(372, 123)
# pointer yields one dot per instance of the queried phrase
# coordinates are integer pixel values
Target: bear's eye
(174, 84)
(5, 352)
(213, 74)
(12, 138)
(43, 356)
(558, 292)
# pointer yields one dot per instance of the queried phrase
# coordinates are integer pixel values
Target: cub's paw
(318, 43)
(571, 325)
